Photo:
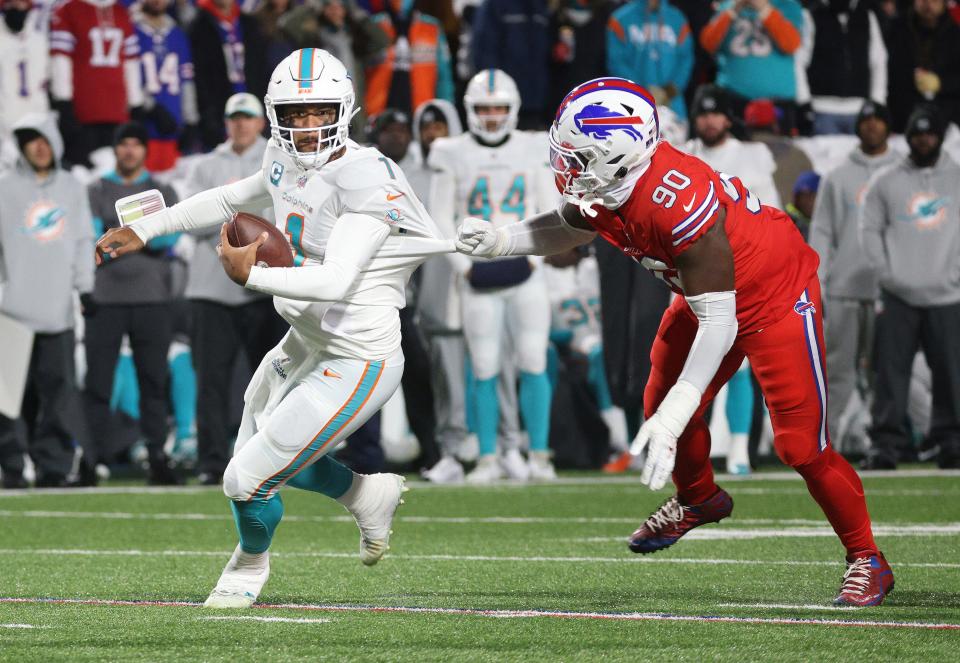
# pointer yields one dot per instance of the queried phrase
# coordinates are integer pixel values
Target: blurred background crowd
(142, 363)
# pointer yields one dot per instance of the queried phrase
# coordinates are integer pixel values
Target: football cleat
(515, 465)
(446, 471)
(488, 470)
(672, 520)
(380, 497)
(241, 581)
(541, 469)
(619, 464)
(867, 581)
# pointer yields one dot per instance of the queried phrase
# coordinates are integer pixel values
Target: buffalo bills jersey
(678, 200)
(98, 38)
(166, 64)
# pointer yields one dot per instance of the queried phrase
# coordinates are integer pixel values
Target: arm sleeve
(783, 33)
(205, 209)
(618, 56)
(442, 206)
(822, 228)
(684, 61)
(444, 71)
(353, 242)
(84, 266)
(131, 68)
(717, 316)
(61, 77)
(873, 217)
(877, 56)
(542, 235)
(714, 32)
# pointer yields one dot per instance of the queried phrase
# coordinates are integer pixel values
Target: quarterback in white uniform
(348, 212)
(498, 174)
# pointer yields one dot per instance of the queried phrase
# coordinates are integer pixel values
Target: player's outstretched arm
(354, 241)
(707, 274)
(207, 208)
(552, 232)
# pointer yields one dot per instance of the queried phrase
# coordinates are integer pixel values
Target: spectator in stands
(578, 34)
(221, 37)
(754, 42)
(753, 163)
(350, 34)
(46, 239)
(269, 16)
(133, 296)
(167, 69)
(910, 235)
(227, 320)
(416, 65)
(849, 281)
(24, 63)
(804, 197)
(95, 73)
(649, 42)
(761, 118)
(846, 63)
(924, 47)
(513, 35)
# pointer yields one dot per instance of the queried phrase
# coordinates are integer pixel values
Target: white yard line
(630, 479)
(254, 618)
(19, 626)
(500, 614)
(535, 559)
(433, 520)
(790, 606)
(731, 533)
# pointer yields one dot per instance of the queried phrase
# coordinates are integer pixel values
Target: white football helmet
(603, 130)
(491, 87)
(310, 76)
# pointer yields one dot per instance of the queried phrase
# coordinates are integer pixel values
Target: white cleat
(515, 465)
(446, 471)
(241, 581)
(541, 469)
(488, 470)
(374, 507)
(738, 455)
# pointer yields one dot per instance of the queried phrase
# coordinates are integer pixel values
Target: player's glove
(659, 434)
(477, 237)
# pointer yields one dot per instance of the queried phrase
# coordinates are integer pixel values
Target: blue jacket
(651, 48)
(513, 35)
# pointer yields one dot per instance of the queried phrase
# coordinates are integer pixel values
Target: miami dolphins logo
(926, 210)
(599, 122)
(44, 221)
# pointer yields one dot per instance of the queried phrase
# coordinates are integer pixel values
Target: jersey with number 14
(678, 200)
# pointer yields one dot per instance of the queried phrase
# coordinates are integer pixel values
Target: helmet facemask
(573, 167)
(490, 127)
(295, 128)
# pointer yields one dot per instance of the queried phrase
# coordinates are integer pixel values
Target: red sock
(693, 474)
(837, 488)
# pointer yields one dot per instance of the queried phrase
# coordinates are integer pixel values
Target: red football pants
(788, 361)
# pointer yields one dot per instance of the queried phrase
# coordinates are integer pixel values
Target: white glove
(478, 237)
(659, 434)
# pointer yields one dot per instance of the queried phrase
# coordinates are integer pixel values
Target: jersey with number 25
(678, 200)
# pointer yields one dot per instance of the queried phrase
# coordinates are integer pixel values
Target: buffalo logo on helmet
(599, 122)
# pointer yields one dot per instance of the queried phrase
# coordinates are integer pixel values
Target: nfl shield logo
(276, 172)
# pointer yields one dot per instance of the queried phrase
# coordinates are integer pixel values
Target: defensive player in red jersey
(748, 287)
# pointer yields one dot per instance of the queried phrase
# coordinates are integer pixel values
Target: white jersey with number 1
(307, 204)
(24, 68)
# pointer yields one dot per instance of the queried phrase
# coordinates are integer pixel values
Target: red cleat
(672, 520)
(620, 464)
(867, 581)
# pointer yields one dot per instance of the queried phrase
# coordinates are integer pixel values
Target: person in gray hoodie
(848, 278)
(227, 318)
(46, 245)
(910, 228)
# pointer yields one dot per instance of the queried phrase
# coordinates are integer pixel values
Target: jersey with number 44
(308, 203)
(501, 184)
(678, 200)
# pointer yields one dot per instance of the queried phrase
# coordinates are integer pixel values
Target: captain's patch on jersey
(276, 172)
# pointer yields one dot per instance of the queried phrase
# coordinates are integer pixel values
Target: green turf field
(478, 574)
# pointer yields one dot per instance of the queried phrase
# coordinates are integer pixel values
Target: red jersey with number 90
(678, 200)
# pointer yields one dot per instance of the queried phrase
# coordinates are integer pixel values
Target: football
(244, 228)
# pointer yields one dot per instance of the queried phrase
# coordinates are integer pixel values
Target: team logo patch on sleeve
(804, 308)
(276, 172)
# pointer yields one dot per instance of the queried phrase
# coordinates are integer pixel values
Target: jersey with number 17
(678, 200)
